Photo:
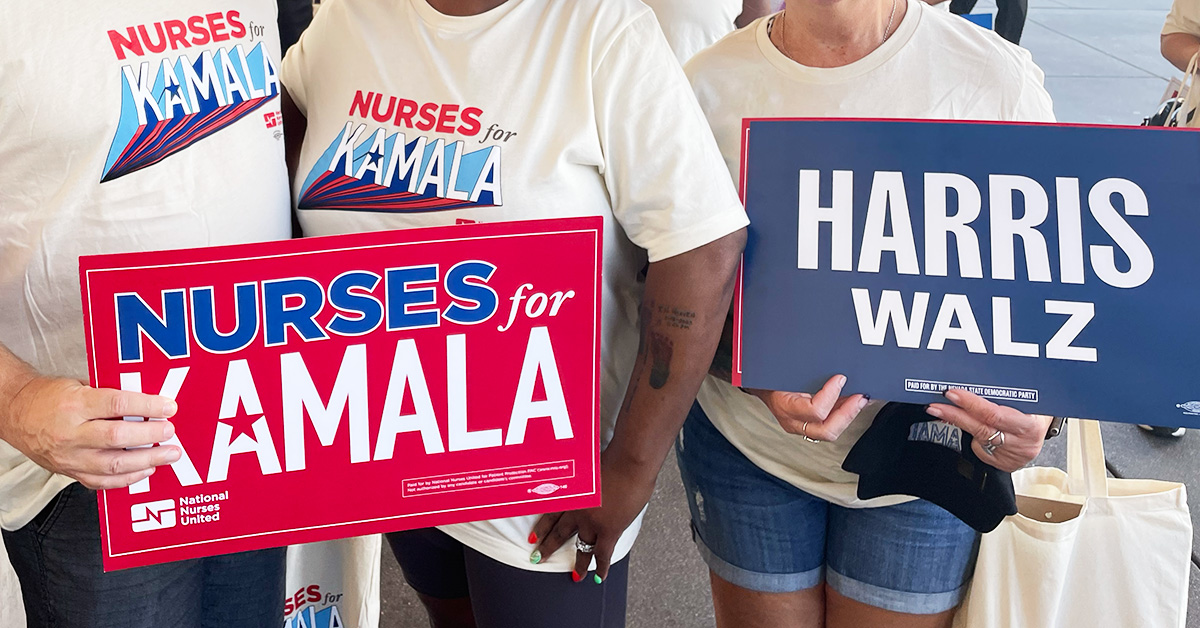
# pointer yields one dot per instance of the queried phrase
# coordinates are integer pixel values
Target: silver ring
(586, 548)
(989, 447)
(804, 433)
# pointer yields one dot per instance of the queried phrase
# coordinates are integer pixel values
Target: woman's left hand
(625, 491)
(1020, 435)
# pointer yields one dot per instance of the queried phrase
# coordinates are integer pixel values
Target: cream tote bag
(1084, 550)
(333, 584)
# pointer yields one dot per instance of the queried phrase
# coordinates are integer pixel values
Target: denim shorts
(761, 533)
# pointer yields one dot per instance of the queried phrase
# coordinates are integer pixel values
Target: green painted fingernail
(535, 557)
(598, 579)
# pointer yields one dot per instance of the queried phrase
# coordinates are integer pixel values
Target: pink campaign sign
(346, 385)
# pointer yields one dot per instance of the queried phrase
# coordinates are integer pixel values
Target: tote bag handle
(1189, 94)
(1085, 459)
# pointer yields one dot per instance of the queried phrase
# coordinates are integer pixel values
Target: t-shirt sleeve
(1033, 103)
(1183, 18)
(668, 185)
(297, 63)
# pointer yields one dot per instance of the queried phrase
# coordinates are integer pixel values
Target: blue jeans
(761, 533)
(57, 559)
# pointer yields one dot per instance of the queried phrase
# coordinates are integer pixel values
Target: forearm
(722, 362)
(14, 375)
(683, 311)
(1179, 48)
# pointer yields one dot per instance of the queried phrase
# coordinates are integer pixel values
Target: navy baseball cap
(909, 452)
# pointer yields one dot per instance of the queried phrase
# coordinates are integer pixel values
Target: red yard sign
(345, 385)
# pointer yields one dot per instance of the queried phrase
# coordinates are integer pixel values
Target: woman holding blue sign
(791, 538)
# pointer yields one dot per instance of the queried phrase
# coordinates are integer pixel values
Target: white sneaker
(1171, 432)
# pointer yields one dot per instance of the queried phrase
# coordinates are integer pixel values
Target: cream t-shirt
(693, 25)
(127, 126)
(934, 66)
(541, 109)
(1183, 18)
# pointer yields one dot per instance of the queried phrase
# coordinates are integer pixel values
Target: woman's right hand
(823, 416)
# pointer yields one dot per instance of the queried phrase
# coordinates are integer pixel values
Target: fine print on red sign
(346, 385)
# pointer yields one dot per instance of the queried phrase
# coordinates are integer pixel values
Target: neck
(832, 33)
(464, 8)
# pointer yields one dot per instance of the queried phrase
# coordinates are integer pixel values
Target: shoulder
(605, 16)
(726, 59)
(973, 50)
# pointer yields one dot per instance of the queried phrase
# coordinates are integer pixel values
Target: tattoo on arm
(676, 317)
(656, 348)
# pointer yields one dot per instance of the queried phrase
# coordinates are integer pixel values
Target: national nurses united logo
(372, 169)
(168, 105)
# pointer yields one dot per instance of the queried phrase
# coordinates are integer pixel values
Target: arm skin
(1179, 48)
(63, 426)
(683, 310)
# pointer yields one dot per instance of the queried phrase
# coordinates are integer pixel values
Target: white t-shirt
(935, 66)
(108, 146)
(693, 25)
(558, 108)
(1183, 18)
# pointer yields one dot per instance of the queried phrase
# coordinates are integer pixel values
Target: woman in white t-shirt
(776, 518)
(495, 110)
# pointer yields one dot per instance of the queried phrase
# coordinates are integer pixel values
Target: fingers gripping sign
(1003, 437)
(72, 429)
(593, 533)
(556, 531)
(817, 417)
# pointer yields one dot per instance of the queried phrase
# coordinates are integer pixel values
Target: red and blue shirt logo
(382, 169)
(168, 105)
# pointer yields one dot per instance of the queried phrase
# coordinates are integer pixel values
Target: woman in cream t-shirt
(776, 518)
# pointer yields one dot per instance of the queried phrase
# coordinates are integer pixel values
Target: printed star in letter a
(375, 156)
(174, 89)
(242, 423)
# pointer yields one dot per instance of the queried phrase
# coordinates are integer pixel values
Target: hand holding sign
(822, 417)
(1016, 438)
(1050, 272)
(444, 368)
(625, 493)
(65, 427)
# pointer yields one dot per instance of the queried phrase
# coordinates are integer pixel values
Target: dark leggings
(500, 596)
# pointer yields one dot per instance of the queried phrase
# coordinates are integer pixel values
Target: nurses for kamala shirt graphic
(383, 169)
(201, 86)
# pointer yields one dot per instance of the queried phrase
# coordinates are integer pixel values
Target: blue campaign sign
(1053, 268)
